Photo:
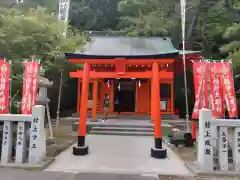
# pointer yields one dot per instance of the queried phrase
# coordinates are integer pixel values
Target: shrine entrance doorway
(125, 95)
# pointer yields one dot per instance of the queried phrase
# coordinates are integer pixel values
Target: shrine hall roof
(109, 46)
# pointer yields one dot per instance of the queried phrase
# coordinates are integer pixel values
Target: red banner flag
(227, 84)
(217, 100)
(30, 86)
(35, 82)
(200, 86)
(4, 86)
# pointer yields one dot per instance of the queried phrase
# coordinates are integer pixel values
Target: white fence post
(223, 148)
(6, 142)
(214, 137)
(21, 143)
(236, 148)
(205, 149)
(219, 129)
(37, 149)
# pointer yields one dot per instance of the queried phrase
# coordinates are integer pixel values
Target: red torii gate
(120, 72)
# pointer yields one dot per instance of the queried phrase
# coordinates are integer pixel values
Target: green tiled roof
(101, 45)
(108, 46)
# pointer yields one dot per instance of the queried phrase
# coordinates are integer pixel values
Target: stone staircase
(122, 129)
(128, 116)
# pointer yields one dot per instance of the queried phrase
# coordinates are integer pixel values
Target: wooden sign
(120, 66)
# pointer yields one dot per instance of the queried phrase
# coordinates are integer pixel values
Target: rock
(52, 150)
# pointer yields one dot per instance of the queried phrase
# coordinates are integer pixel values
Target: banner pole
(63, 14)
(183, 23)
(59, 101)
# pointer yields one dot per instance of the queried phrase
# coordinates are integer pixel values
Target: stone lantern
(42, 98)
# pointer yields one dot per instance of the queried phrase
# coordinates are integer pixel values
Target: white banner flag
(63, 10)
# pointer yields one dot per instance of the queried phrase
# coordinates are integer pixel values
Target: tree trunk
(193, 24)
(190, 30)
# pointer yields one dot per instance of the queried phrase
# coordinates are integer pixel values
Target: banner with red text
(217, 100)
(200, 86)
(4, 86)
(30, 86)
(36, 67)
(227, 83)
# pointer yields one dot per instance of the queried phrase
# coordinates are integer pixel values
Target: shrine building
(123, 67)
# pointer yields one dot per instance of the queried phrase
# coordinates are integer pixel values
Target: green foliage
(218, 20)
(35, 32)
(51, 5)
(24, 33)
(147, 17)
(94, 15)
(221, 25)
(232, 48)
(221, 33)
(137, 17)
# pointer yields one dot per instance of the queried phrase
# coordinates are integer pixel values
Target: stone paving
(13, 174)
(119, 154)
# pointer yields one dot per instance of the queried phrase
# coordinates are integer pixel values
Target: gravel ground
(62, 140)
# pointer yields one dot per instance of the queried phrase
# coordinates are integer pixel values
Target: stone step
(108, 125)
(114, 116)
(120, 125)
(143, 117)
(120, 133)
(123, 133)
(121, 129)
